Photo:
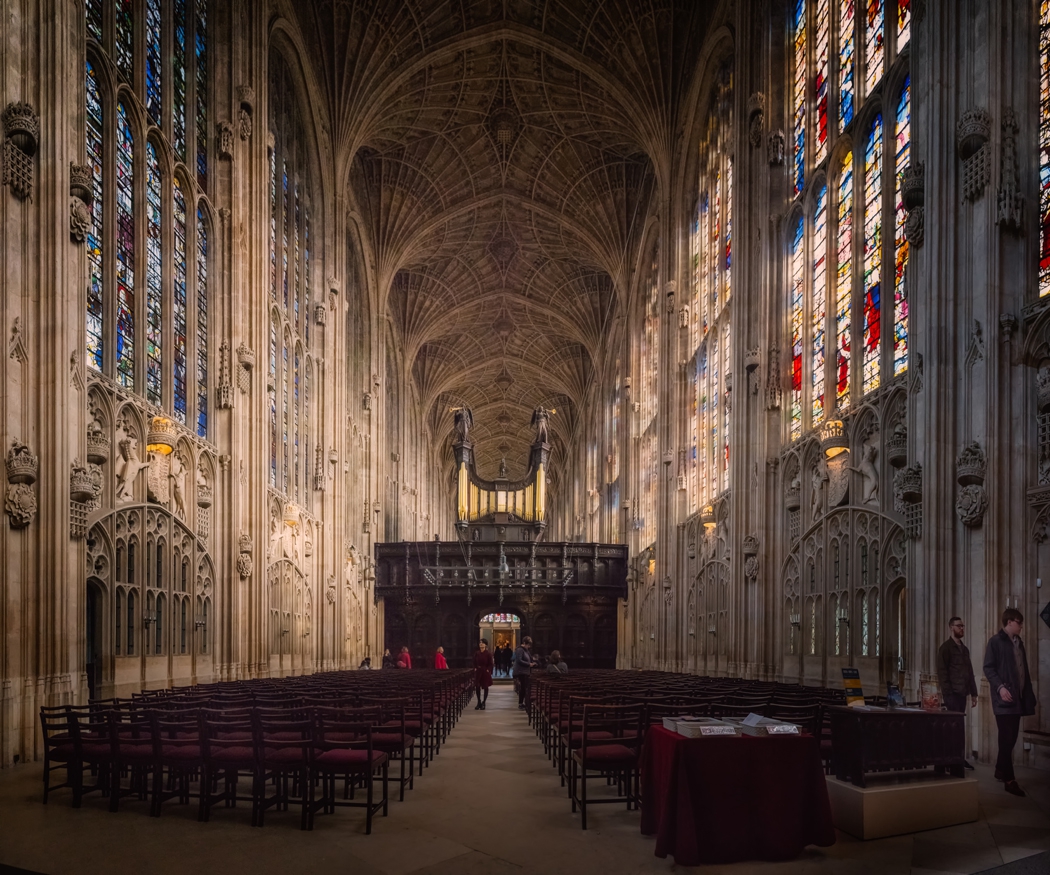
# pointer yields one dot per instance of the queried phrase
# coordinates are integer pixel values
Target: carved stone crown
(204, 496)
(82, 484)
(22, 465)
(750, 546)
(246, 94)
(970, 466)
(246, 356)
(97, 446)
(897, 448)
(244, 543)
(80, 181)
(755, 103)
(972, 132)
(22, 126)
(912, 185)
(752, 359)
(907, 483)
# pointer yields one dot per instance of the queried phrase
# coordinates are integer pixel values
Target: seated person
(555, 664)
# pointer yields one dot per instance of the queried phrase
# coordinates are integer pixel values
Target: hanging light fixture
(160, 438)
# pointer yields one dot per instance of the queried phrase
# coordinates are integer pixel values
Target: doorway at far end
(502, 631)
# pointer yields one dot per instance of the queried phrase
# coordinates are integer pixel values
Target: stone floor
(489, 804)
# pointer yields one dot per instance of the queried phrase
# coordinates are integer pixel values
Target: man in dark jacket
(522, 670)
(955, 671)
(1006, 667)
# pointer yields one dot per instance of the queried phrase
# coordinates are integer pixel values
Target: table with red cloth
(724, 799)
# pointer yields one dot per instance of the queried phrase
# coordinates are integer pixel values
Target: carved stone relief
(22, 129)
(1010, 205)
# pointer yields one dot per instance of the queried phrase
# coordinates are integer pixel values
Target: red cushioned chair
(175, 734)
(393, 738)
(343, 747)
(283, 754)
(131, 744)
(227, 750)
(59, 749)
(615, 757)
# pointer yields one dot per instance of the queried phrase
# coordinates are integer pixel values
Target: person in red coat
(439, 658)
(483, 665)
(404, 659)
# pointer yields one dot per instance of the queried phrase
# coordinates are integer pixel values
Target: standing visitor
(1006, 667)
(388, 660)
(404, 659)
(483, 665)
(955, 671)
(439, 658)
(523, 663)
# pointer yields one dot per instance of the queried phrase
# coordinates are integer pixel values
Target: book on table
(700, 727)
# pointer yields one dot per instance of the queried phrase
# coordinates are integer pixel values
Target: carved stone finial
(225, 130)
(775, 148)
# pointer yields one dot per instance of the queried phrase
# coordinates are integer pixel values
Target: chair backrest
(623, 722)
(655, 712)
(724, 709)
(808, 717)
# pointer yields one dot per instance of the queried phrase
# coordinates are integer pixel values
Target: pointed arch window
(796, 305)
(872, 302)
(709, 398)
(1044, 147)
(149, 332)
(291, 268)
(901, 249)
(818, 304)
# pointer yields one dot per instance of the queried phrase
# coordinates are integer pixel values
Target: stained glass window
(154, 287)
(900, 299)
(726, 407)
(297, 289)
(1044, 147)
(154, 92)
(202, 325)
(93, 148)
(284, 412)
(728, 243)
(306, 427)
(273, 225)
(94, 19)
(125, 250)
(200, 46)
(844, 283)
(796, 309)
(178, 79)
(125, 24)
(903, 23)
(872, 304)
(818, 305)
(820, 81)
(179, 302)
(874, 48)
(296, 401)
(273, 400)
(847, 63)
(799, 129)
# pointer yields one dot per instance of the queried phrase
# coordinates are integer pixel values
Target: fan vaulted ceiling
(501, 156)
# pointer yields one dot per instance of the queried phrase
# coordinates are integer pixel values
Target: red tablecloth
(719, 800)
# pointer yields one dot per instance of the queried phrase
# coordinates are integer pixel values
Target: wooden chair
(615, 755)
(343, 747)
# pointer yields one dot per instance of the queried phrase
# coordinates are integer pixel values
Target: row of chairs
(203, 741)
(595, 721)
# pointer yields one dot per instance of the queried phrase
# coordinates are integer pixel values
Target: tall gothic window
(140, 329)
(1044, 147)
(846, 301)
(648, 380)
(290, 362)
(708, 401)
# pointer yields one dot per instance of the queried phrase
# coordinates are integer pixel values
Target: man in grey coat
(955, 671)
(1006, 667)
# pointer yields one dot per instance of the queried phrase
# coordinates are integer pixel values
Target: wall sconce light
(160, 438)
(833, 438)
(707, 516)
(843, 618)
(711, 630)
(795, 620)
(149, 618)
(200, 622)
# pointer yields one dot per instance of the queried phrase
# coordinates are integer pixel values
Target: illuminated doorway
(502, 631)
